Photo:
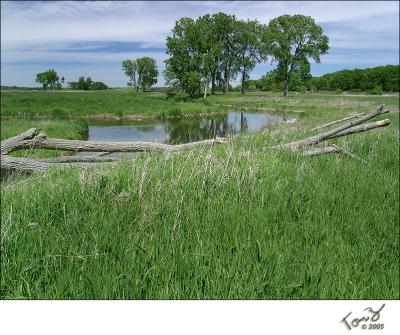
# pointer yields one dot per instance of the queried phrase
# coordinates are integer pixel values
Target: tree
(182, 67)
(130, 68)
(87, 84)
(292, 40)
(250, 49)
(226, 30)
(48, 79)
(147, 72)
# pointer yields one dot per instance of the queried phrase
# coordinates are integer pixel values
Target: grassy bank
(120, 103)
(227, 222)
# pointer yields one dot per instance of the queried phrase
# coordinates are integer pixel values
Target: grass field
(235, 221)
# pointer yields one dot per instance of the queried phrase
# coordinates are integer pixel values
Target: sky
(92, 38)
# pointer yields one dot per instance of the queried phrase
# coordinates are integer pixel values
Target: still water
(182, 130)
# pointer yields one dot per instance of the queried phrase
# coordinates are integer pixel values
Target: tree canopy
(211, 50)
(142, 72)
(291, 40)
(87, 84)
(49, 79)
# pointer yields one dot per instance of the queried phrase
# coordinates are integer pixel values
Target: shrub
(98, 85)
(252, 88)
(377, 90)
(338, 91)
(174, 112)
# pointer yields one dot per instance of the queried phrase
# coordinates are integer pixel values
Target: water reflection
(182, 130)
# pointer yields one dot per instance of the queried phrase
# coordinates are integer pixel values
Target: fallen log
(9, 163)
(316, 139)
(337, 121)
(42, 142)
(332, 149)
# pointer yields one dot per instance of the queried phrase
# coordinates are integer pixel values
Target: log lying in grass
(338, 121)
(331, 149)
(33, 140)
(316, 139)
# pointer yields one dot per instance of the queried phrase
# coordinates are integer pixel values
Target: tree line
(50, 80)
(373, 80)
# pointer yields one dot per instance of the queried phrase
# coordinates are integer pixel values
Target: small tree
(291, 40)
(130, 68)
(147, 72)
(48, 79)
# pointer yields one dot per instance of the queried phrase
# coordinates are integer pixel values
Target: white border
(191, 317)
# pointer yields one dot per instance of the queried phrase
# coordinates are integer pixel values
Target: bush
(338, 91)
(98, 85)
(252, 88)
(174, 112)
(302, 89)
(376, 91)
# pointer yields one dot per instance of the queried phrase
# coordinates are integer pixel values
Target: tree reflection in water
(183, 130)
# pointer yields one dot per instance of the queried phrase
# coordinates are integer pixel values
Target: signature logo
(367, 320)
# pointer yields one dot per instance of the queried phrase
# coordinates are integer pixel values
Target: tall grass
(229, 222)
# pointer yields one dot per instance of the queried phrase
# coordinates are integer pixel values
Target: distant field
(236, 221)
(80, 104)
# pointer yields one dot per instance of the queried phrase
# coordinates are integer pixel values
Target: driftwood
(338, 121)
(339, 131)
(32, 139)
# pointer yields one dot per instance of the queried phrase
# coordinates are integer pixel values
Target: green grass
(228, 222)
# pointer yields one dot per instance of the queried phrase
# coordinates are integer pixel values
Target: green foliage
(211, 49)
(49, 79)
(142, 72)
(385, 77)
(292, 40)
(87, 84)
(376, 91)
(130, 69)
(147, 72)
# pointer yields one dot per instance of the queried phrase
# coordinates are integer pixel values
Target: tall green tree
(250, 48)
(147, 72)
(291, 40)
(183, 65)
(130, 69)
(225, 29)
(48, 79)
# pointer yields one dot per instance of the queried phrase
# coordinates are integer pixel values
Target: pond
(182, 130)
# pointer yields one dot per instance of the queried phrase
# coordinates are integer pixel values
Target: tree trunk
(213, 84)
(286, 91)
(205, 89)
(226, 82)
(243, 79)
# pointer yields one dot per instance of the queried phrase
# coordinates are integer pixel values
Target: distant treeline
(373, 80)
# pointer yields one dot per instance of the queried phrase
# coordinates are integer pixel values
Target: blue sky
(92, 38)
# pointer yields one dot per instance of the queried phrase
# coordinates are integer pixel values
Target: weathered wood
(9, 163)
(338, 121)
(96, 146)
(8, 145)
(362, 128)
(77, 159)
(331, 149)
(321, 151)
(313, 140)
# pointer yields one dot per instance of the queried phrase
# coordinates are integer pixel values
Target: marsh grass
(226, 222)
